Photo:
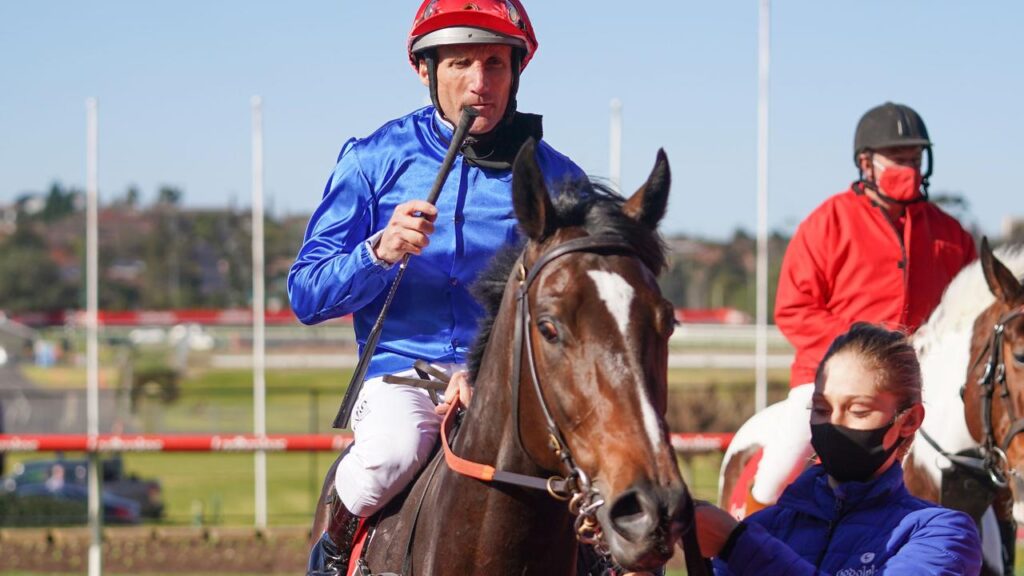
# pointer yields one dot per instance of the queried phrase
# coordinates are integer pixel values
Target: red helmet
(444, 22)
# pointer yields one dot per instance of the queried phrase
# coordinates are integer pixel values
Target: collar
(827, 503)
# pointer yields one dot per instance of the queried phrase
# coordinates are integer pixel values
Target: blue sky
(174, 81)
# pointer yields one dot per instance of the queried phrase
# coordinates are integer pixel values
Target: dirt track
(164, 550)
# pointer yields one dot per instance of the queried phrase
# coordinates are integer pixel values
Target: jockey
(879, 252)
(374, 212)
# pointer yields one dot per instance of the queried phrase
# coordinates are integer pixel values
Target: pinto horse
(570, 374)
(971, 351)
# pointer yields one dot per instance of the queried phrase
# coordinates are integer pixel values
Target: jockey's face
(477, 75)
(909, 156)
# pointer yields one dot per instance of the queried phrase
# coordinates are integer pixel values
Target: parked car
(116, 509)
(147, 495)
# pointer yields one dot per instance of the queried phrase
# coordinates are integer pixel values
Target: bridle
(994, 378)
(584, 500)
(575, 487)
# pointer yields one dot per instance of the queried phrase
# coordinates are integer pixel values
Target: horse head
(592, 365)
(994, 390)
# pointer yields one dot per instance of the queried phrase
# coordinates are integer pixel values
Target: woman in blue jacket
(851, 515)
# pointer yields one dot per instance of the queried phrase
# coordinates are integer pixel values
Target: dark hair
(888, 353)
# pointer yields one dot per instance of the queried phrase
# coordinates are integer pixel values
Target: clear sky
(174, 80)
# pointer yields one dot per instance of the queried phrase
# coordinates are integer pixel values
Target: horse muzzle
(642, 525)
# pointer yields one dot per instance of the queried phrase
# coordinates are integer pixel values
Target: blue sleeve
(947, 544)
(334, 273)
(758, 552)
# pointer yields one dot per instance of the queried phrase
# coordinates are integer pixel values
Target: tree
(169, 196)
(30, 280)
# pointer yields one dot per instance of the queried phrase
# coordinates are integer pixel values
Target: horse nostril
(631, 518)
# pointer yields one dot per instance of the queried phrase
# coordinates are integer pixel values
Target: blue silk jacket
(433, 315)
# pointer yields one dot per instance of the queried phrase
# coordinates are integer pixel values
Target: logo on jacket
(862, 571)
(867, 557)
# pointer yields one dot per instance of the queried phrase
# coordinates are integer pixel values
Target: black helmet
(891, 125)
(887, 126)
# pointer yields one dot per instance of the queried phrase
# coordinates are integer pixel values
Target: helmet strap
(430, 57)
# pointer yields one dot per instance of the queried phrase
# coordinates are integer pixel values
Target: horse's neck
(531, 521)
(488, 432)
(943, 368)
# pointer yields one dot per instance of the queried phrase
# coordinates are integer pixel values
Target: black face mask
(850, 455)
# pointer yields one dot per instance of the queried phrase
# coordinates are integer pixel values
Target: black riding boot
(330, 555)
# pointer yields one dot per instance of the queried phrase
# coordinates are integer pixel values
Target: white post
(92, 332)
(258, 311)
(615, 145)
(761, 353)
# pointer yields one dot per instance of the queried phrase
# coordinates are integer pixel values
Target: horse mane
(943, 343)
(965, 298)
(592, 206)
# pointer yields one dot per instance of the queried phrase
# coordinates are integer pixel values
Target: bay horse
(977, 327)
(570, 379)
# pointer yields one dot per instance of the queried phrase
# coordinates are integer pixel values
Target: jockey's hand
(407, 232)
(713, 527)
(459, 388)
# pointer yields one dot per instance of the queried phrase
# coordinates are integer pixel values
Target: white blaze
(617, 295)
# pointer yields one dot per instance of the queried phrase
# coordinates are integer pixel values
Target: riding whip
(355, 385)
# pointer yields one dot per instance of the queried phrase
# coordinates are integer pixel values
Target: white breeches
(395, 429)
(788, 447)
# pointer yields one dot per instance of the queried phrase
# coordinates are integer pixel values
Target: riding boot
(331, 554)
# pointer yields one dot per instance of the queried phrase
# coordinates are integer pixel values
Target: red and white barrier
(682, 443)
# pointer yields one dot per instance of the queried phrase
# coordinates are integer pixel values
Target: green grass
(218, 487)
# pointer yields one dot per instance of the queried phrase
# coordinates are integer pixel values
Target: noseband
(995, 377)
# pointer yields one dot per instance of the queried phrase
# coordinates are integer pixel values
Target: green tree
(30, 280)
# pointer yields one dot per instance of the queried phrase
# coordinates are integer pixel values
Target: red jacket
(849, 262)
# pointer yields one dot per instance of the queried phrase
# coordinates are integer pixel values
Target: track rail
(683, 443)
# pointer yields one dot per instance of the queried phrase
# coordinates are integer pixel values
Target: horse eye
(1018, 357)
(548, 330)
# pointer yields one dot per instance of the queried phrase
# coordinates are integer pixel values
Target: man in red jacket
(878, 252)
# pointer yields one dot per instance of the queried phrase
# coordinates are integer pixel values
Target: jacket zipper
(903, 264)
(831, 529)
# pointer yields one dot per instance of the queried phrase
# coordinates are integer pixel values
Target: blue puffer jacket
(858, 529)
(433, 315)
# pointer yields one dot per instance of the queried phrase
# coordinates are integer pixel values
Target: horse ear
(647, 205)
(1003, 284)
(530, 194)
